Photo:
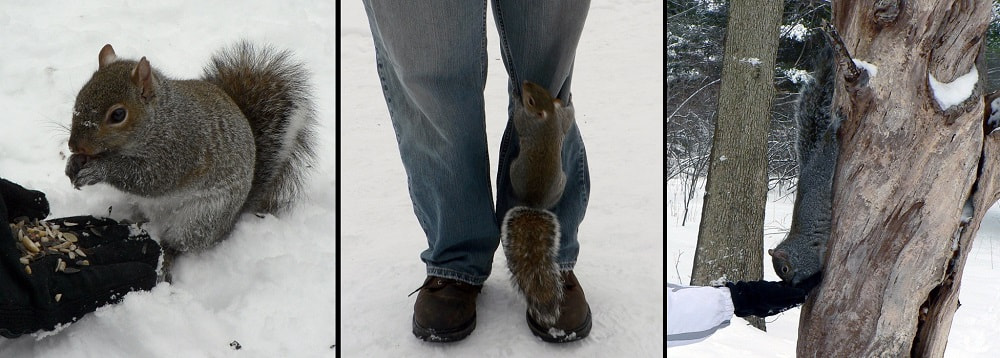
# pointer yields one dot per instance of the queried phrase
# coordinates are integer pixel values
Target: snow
(796, 75)
(753, 61)
(954, 92)
(618, 94)
(797, 32)
(871, 68)
(994, 119)
(270, 286)
(973, 331)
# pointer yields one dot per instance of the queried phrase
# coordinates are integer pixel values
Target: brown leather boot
(574, 319)
(445, 310)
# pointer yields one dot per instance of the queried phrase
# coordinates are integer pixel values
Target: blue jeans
(431, 58)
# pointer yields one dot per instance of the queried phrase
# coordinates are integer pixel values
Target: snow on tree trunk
(910, 190)
(730, 236)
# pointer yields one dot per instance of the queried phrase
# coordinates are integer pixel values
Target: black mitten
(811, 282)
(764, 298)
(23, 202)
(39, 295)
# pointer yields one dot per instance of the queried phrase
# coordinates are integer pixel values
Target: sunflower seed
(58, 297)
(83, 263)
(28, 244)
(70, 237)
(27, 269)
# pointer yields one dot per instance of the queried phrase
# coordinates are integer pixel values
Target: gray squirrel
(542, 123)
(800, 255)
(529, 232)
(196, 153)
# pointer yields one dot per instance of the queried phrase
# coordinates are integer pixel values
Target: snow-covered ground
(618, 91)
(973, 332)
(271, 285)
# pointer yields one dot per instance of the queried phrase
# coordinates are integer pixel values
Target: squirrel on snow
(800, 255)
(197, 153)
(530, 233)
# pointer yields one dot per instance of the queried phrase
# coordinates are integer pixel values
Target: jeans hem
(567, 266)
(476, 280)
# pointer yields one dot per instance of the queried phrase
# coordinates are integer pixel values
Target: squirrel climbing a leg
(530, 232)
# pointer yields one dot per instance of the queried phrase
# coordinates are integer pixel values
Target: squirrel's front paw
(74, 164)
(79, 173)
(86, 176)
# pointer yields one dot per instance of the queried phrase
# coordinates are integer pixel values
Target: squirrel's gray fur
(800, 255)
(541, 123)
(529, 232)
(196, 152)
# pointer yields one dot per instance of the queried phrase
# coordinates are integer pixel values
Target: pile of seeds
(37, 239)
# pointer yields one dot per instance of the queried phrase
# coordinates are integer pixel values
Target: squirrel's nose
(72, 144)
(76, 148)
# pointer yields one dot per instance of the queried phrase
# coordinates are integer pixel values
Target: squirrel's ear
(142, 77)
(106, 57)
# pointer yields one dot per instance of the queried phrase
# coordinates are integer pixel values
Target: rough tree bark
(730, 236)
(906, 171)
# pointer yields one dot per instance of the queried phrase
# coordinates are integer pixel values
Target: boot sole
(575, 334)
(443, 336)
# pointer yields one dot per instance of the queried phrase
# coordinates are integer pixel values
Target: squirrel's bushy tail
(530, 239)
(813, 108)
(273, 92)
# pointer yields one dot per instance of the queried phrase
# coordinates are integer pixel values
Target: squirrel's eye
(117, 116)
(784, 269)
(531, 102)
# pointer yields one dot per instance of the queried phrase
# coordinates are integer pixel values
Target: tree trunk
(910, 189)
(730, 236)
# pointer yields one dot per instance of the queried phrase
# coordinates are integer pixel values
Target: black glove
(764, 298)
(118, 261)
(23, 202)
(811, 282)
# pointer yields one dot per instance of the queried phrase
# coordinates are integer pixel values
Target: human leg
(431, 62)
(538, 42)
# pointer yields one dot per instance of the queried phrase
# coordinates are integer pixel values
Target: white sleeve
(694, 313)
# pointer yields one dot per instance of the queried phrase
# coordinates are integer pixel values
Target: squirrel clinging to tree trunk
(800, 255)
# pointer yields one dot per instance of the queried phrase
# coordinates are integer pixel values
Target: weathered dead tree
(912, 184)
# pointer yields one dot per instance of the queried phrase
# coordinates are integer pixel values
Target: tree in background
(730, 236)
(695, 29)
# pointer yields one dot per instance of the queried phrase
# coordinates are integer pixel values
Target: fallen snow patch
(797, 76)
(871, 68)
(795, 32)
(954, 92)
(753, 61)
(994, 120)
